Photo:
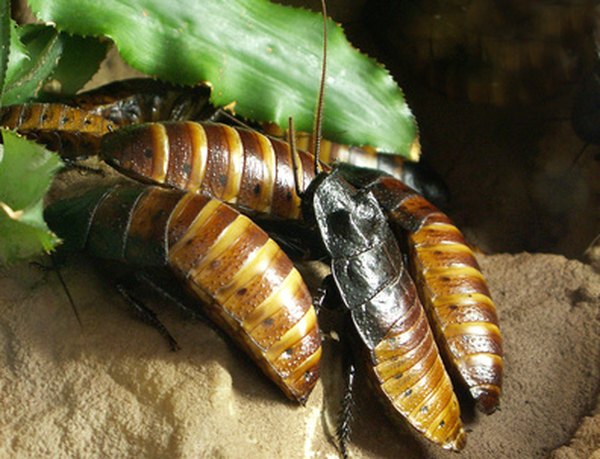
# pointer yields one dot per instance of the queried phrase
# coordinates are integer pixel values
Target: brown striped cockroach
(247, 284)
(70, 130)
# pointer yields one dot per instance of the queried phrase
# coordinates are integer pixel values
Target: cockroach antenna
(56, 269)
(318, 123)
(318, 119)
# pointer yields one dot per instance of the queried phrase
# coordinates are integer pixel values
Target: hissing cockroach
(394, 335)
(248, 286)
(449, 281)
(236, 165)
(140, 100)
(72, 131)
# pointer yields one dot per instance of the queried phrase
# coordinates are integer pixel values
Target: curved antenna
(56, 269)
(318, 123)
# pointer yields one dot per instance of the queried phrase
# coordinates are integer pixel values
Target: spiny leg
(55, 267)
(345, 416)
(328, 299)
(161, 284)
(147, 315)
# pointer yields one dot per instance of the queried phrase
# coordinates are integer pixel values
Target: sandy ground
(113, 387)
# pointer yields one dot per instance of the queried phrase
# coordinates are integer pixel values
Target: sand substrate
(112, 388)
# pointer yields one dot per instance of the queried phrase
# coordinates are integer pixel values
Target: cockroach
(395, 339)
(449, 281)
(74, 126)
(247, 285)
(139, 100)
(72, 131)
(239, 166)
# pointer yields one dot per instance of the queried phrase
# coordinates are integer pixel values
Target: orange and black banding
(238, 166)
(452, 288)
(68, 130)
(248, 286)
(333, 152)
(410, 375)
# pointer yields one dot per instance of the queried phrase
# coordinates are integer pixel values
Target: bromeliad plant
(262, 60)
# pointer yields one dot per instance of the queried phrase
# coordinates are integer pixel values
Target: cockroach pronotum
(248, 285)
(449, 281)
(395, 339)
(140, 100)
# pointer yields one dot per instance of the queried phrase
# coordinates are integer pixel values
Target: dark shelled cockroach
(247, 285)
(395, 338)
(449, 281)
(140, 100)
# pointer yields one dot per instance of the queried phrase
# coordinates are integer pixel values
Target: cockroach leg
(56, 264)
(328, 296)
(345, 416)
(148, 316)
(73, 164)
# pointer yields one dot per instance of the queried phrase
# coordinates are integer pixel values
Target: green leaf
(38, 49)
(26, 171)
(4, 40)
(265, 58)
(80, 60)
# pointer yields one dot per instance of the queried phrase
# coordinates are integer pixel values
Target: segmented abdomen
(248, 285)
(239, 166)
(71, 131)
(411, 375)
(449, 282)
